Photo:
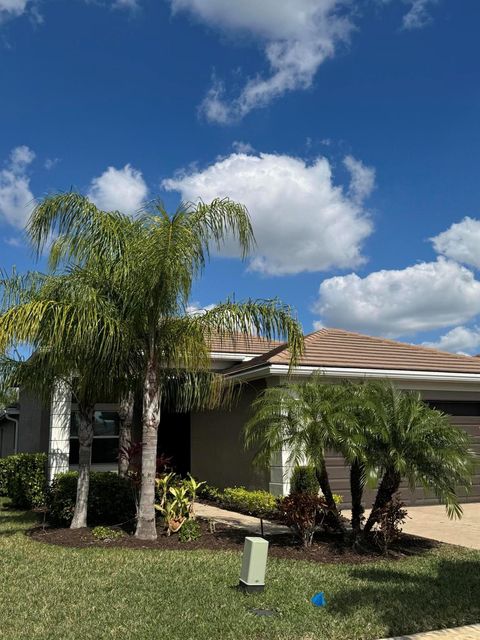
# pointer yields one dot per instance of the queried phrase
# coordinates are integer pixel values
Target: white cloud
(302, 221)
(129, 5)
(16, 198)
(362, 178)
(242, 147)
(459, 340)
(13, 241)
(50, 163)
(297, 37)
(195, 308)
(12, 8)
(119, 189)
(461, 242)
(418, 15)
(423, 297)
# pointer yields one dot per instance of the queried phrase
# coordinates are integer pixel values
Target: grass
(58, 593)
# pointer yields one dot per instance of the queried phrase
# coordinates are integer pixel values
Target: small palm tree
(409, 440)
(149, 264)
(305, 420)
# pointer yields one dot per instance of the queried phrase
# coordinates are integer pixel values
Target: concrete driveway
(432, 522)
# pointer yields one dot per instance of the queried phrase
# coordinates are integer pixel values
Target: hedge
(110, 500)
(23, 479)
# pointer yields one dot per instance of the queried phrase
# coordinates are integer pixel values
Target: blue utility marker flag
(319, 599)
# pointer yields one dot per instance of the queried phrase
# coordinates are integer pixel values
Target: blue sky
(350, 129)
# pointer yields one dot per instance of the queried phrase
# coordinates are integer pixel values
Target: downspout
(15, 432)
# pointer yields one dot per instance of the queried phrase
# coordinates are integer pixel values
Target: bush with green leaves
(111, 499)
(257, 503)
(106, 534)
(304, 480)
(175, 499)
(23, 479)
(190, 531)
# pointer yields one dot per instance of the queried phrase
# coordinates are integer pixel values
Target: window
(105, 438)
(456, 408)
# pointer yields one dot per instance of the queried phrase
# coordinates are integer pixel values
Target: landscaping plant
(175, 500)
(23, 479)
(303, 513)
(148, 265)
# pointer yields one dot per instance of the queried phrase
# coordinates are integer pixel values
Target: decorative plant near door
(175, 500)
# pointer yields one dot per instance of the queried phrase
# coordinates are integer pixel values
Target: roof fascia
(351, 372)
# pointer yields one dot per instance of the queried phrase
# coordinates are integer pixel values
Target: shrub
(255, 503)
(106, 533)
(304, 480)
(303, 512)
(390, 520)
(190, 531)
(175, 500)
(110, 499)
(23, 479)
(207, 492)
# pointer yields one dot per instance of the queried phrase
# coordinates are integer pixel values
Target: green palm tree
(78, 343)
(305, 420)
(409, 440)
(150, 264)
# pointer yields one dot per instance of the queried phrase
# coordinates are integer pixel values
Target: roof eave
(269, 369)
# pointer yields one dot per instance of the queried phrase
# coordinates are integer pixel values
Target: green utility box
(254, 564)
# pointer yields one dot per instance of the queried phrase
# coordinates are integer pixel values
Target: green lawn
(56, 593)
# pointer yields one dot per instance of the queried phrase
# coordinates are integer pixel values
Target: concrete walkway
(433, 522)
(238, 519)
(461, 633)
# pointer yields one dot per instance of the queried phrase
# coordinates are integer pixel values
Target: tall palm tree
(150, 264)
(77, 337)
(409, 440)
(305, 420)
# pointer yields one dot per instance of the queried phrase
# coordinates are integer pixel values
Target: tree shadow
(409, 600)
(13, 522)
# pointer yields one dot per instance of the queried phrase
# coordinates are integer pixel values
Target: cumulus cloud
(195, 308)
(423, 297)
(119, 190)
(459, 340)
(12, 9)
(362, 178)
(297, 37)
(16, 198)
(418, 15)
(302, 221)
(461, 242)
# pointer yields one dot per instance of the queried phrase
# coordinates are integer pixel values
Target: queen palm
(150, 264)
(76, 336)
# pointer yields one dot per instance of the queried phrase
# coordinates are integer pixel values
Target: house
(209, 444)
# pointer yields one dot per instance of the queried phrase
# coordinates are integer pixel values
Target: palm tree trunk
(146, 529)
(356, 490)
(388, 487)
(324, 482)
(125, 415)
(86, 420)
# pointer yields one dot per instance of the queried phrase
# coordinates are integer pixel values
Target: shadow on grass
(409, 601)
(13, 522)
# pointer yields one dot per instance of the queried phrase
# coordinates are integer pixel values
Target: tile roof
(242, 343)
(344, 349)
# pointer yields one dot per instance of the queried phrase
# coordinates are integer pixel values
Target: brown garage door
(339, 472)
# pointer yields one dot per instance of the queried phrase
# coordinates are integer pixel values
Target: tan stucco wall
(217, 452)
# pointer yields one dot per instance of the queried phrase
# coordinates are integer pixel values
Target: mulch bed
(326, 548)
